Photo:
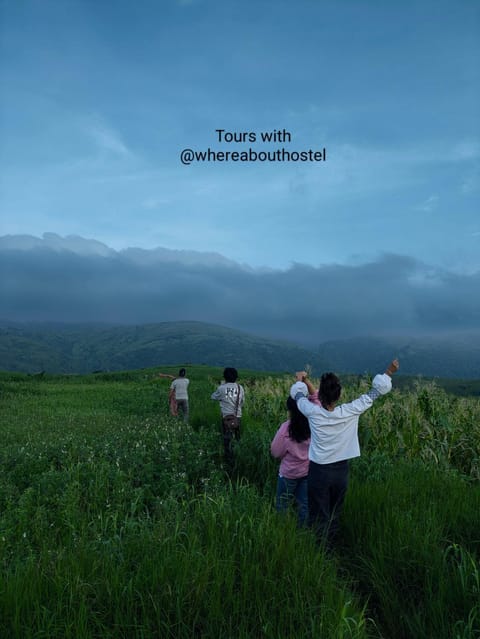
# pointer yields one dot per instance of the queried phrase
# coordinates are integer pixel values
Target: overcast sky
(99, 99)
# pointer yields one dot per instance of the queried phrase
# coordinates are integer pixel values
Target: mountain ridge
(83, 348)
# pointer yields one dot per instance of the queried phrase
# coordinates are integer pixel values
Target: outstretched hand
(392, 367)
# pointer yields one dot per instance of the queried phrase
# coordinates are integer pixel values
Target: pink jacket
(294, 455)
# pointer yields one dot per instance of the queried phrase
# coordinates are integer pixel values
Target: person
(231, 396)
(172, 402)
(290, 445)
(334, 440)
(179, 394)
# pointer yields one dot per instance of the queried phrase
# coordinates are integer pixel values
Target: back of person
(231, 396)
(179, 393)
(227, 394)
(180, 386)
(291, 445)
(334, 441)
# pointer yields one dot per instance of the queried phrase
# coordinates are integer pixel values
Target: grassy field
(118, 521)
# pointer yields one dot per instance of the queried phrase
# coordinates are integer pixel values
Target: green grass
(117, 520)
(412, 539)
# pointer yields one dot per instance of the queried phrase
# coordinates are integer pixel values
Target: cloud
(392, 295)
(466, 150)
(155, 202)
(106, 139)
(471, 181)
(428, 205)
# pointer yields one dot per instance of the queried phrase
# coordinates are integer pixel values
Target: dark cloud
(391, 296)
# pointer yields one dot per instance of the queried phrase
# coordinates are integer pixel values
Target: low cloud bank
(77, 280)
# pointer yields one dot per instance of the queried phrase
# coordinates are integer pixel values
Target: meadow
(119, 521)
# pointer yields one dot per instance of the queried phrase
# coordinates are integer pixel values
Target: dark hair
(299, 428)
(182, 372)
(230, 375)
(330, 389)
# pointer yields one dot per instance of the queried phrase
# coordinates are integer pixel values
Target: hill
(83, 348)
(452, 356)
(87, 348)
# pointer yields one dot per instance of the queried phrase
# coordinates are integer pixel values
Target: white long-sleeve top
(334, 434)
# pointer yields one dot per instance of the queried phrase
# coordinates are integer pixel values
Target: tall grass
(209, 567)
(412, 541)
(117, 520)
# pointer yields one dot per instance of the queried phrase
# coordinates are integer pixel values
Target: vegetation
(84, 348)
(117, 520)
(87, 348)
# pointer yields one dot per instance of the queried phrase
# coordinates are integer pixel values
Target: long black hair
(299, 428)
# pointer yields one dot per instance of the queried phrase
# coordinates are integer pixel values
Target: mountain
(452, 356)
(86, 348)
(83, 348)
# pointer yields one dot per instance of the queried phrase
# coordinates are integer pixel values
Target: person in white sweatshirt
(179, 393)
(334, 440)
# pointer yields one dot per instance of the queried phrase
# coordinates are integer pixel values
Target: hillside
(87, 348)
(452, 356)
(84, 348)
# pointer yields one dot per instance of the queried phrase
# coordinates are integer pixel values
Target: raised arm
(299, 392)
(392, 368)
(302, 376)
(381, 385)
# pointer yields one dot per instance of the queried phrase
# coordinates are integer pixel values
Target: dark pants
(228, 437)
(327, 486)
(182, 406)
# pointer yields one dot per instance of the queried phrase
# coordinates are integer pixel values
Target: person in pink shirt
(290, 445)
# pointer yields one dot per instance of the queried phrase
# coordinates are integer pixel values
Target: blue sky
(99, 98)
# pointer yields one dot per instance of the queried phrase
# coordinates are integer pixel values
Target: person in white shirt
(334, 440)
(179, 393)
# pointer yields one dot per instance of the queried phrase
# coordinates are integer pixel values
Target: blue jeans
(290, 489)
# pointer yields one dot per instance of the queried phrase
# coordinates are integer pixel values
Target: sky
(98, 100)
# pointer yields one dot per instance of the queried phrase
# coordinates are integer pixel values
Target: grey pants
(182, 406)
